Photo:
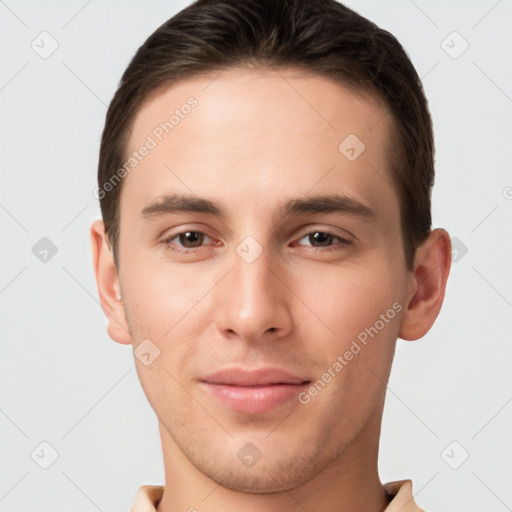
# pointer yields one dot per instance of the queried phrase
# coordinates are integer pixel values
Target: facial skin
(256, 140)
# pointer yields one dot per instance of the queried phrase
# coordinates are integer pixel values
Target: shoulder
(402, 498)
(147, 498)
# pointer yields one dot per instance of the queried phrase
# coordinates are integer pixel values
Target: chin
(269, 475)
(260, 481)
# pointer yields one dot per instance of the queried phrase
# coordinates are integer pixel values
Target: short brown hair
(320, 36)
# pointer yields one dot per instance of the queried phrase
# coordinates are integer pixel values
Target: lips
(253, 391)
(259, 377)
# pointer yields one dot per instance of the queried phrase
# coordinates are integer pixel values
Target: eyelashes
(332, 236)
(197, 236)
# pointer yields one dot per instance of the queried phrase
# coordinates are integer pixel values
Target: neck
(350, 483)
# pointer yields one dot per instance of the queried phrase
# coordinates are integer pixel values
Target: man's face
(297, 291)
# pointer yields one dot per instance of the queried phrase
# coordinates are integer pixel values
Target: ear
(427, 285)
(107, 281)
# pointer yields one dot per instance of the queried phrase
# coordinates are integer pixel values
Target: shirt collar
(148, 497)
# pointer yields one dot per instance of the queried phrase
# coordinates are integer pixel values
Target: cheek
(358, 318)
(348, 300)
(159, 297)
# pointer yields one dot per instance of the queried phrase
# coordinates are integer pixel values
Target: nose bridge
(253, 297)
(253, 272)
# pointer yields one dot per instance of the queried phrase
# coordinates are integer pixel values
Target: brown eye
(191, 239)
(325, 239)
(186, 240)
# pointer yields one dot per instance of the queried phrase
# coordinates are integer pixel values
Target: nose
(254, 299)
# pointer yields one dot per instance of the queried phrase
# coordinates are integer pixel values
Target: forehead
(264, 133)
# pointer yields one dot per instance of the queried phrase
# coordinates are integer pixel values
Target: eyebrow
(333, 203)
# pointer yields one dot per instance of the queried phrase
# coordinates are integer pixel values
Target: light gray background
(64, 381)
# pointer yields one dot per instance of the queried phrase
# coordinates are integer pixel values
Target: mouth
(254, 391)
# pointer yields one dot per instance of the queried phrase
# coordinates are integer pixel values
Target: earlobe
(108, 284)
(427, 285)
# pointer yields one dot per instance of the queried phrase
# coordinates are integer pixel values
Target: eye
(325, 239)
(187, 240)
